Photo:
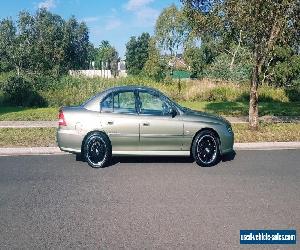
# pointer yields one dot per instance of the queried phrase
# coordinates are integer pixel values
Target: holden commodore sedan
(135, 120)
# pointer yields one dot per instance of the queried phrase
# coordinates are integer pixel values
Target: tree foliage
(155, 66)
(137, 53)
(7, 45)
(171, 29)
(43, 43)
(107, 57)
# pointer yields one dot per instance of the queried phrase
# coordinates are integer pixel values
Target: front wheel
(97, 150)
(205, 149)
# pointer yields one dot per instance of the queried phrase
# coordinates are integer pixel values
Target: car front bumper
(227, 141)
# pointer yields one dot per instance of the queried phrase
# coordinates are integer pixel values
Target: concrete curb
(267, 145)
(237, 146)
(28, 124)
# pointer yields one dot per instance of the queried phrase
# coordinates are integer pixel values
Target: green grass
(28, 114)
(242, 108)
(44, 137)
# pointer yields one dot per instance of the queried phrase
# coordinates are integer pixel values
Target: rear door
(119, 119)
(159, 131)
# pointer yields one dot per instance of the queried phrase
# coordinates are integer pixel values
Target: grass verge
(44, 137)
(28, 114)
(268, 132)
(27, 137)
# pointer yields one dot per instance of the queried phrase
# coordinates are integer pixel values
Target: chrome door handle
(146, 124)
(110, 123)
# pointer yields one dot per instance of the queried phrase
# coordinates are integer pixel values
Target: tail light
(61, 119)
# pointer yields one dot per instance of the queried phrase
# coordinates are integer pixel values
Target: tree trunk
(235, 52)
(253, 104)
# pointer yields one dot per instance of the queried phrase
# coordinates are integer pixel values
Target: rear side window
(119, 102)
(124, 102)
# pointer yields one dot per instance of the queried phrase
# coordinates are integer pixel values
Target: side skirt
(154, 153)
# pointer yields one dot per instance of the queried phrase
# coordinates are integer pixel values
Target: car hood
(194, 115)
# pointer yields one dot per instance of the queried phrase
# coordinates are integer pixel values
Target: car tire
(97, 150)
(206, 149)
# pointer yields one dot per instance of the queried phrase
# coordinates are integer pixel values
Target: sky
(112, 20)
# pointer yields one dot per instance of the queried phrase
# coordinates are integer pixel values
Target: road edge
(237, 146)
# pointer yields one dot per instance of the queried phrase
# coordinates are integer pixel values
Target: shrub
(18, 91)
(293, 92)
(268, 93)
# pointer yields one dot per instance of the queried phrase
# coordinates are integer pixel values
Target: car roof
(129, 87)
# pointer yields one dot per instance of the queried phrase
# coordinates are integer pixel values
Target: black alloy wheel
(97, 150)
(205, 149)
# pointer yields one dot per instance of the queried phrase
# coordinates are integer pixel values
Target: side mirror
(172, 112)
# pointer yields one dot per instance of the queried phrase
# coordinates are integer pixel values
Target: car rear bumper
(69, 140)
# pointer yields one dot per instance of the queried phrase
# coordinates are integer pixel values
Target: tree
(43, 44)
(107, 57)
(171, 29)
(137, 53)
(195, 58)
(16, 43)
(92, 51)
(131, 58)
(154, 66)
(48, 53)
(76, 42)
(104, 55)
(115, 59)
(7, 45)
(263, 25)
(199, 54)
(142, 50)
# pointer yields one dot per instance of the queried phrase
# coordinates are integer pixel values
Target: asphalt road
(167, 203)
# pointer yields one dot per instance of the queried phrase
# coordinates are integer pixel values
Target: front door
(159, 131)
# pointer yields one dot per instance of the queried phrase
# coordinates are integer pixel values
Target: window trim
(103, 99)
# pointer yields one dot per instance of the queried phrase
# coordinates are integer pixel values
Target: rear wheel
(97, 150)
(205, 149)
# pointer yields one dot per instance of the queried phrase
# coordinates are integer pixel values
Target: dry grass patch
(27, 137)
(278, 132)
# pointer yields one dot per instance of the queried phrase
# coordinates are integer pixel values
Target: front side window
(119, 102)
(152, 104)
